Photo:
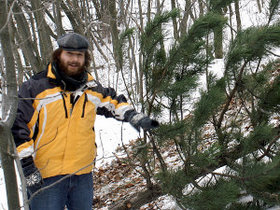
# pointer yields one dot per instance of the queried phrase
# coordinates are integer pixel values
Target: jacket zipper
(84, 105)
(64, 104)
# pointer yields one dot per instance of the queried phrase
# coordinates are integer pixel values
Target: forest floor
(120, 179)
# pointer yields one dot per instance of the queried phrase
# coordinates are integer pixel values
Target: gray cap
(73, 42)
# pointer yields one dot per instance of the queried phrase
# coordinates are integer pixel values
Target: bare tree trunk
(218, 40)
(184, 22)
(105, 18)
(158, 5)
(43, 35)
(237, 15)
(201, 8)
(135, 67)
(10, 88)
(97, 7)
(115, 34)
(7, 161)
(149, 11)
(175, 27)
(7, 149)
(25, 42)
(73, 16)
(58, 18)
(140, 15)
(230, 22)
(218, 44)
(259, 6)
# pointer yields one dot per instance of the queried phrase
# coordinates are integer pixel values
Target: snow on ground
(109, 135)
(115, 178)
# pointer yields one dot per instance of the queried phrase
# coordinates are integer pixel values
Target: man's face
(72, 62)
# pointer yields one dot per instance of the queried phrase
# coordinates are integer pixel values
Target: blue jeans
(75, 192)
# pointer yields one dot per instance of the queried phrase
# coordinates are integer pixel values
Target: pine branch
(231, 95)
(268, 150)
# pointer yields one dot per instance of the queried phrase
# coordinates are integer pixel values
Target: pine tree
(241, 107)
(233, 127)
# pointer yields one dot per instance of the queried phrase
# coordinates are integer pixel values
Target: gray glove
(32, 175)
(140, 120)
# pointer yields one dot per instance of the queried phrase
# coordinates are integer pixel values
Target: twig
(266, 151)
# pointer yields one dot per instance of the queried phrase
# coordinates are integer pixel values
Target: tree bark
(184, 22)
(77, 27)
(7, 161)
(10, 87)
(201, 8)
(218, 40)
(174, 20)
(259, 6)
(43, 36)
(237, 15)
(25, 42)
(58, 18)
(115, 34)
(9, 106)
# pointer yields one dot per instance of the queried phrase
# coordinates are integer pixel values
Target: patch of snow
(109, 135)
(165, 202)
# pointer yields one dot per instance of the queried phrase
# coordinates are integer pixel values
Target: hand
(147, 124)
(32, 175)
(143, 121)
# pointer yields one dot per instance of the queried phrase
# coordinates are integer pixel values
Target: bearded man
(54, 127)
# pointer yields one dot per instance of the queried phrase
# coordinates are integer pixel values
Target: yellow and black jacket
(57, 126)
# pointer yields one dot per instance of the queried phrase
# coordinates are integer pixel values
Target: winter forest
(217, 146)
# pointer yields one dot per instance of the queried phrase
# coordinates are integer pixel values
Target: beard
(69, 81)
(63, 66)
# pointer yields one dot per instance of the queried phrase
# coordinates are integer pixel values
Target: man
(54, 127)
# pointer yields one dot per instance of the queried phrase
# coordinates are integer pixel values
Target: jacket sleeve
(118, 107)
(24, 124)
(113, 105)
